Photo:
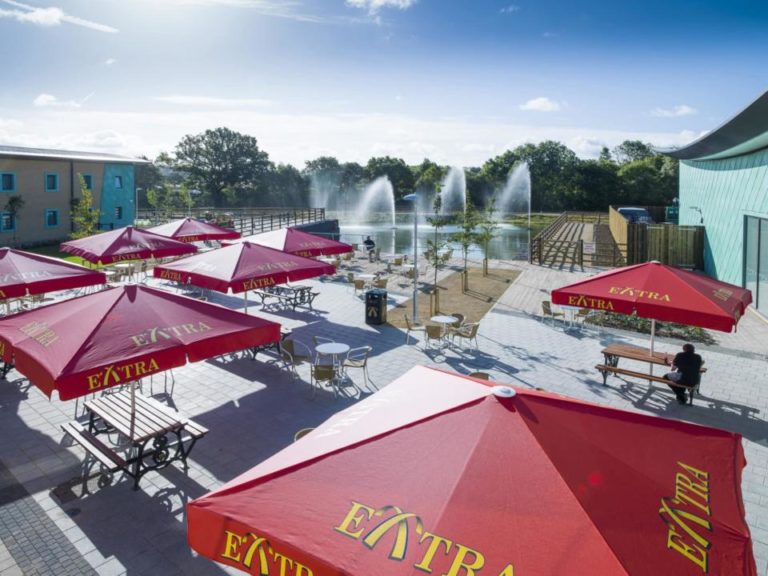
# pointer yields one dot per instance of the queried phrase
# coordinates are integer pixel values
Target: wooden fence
(668, 243)
(245, 220)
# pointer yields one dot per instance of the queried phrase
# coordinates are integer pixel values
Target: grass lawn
(53, 251)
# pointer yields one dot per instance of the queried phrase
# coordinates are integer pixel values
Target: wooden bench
(102, 453)
(605, 369)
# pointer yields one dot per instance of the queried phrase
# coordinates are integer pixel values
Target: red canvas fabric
(437, 474)
(118, 335)
(23, 273)
(192, 230)
(660, 292)
(297, 242)
(242, 267)
(127, 243)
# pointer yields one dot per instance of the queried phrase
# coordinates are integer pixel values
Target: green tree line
(223, 168)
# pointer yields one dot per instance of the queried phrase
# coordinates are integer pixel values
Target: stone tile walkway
(253, 408)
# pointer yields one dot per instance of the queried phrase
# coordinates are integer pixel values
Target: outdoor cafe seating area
(285, 344)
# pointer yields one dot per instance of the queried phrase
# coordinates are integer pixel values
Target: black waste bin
(376, 306)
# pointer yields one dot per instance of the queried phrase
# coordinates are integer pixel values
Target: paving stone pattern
(254, 407)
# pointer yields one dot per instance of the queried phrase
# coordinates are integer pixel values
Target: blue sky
(456, 81)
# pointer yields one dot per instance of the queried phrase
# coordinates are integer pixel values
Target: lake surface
(511, 242)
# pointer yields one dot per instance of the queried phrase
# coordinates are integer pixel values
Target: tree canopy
(229, 168)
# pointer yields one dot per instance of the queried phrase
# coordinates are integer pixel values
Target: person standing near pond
(685, 370)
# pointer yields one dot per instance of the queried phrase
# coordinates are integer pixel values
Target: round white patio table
(127, 269)
(365, 276)
(333, 349)
(444, 320)
(570, 312)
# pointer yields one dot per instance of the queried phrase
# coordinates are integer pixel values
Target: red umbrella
(298, 242)
(119, 335)
(438, 473)
(127, 243)
(23, 273)
(660, 292)
(191, 230)
(242, 267)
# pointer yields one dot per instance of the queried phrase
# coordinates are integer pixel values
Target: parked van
(635, 215)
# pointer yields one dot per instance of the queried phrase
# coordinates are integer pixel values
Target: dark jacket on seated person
(688, 363)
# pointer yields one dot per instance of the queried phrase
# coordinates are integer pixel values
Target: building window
(51, 182)
(51, 218)
(118, 212)
(7, 222)
(88, 179)
(118, 182)
(7, 182)
(756, 261)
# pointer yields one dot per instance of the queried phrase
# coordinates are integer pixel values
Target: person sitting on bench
(686, 367)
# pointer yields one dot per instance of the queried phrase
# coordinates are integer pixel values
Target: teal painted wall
(112, 197)
(725, 191)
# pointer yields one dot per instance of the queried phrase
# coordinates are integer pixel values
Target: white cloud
(511, 8)
(211, 102)
(51, 16)
(110, 61)
(50, 101)
(586, 147)
(295, 138)
(373, 6)
(541, 104)
(675, 112)
(290, 9)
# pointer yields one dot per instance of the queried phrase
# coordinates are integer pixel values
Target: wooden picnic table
(614, 352)
(156, 434)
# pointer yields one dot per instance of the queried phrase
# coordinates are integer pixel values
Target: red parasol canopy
(297, 242)
(660, 292)
(118, 335)
(438, 473)
(23, 273)
(127, 243)
(242, 267)
(192, 230)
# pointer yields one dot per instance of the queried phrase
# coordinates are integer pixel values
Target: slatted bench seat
(605, 369)
(104, 455)
(195, 430)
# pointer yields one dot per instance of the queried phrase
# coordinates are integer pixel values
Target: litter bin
(376, 306)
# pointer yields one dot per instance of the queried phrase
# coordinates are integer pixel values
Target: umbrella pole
(653, 336)
(133, 406)
(245, 299)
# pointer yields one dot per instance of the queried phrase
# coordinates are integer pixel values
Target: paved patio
(54, 523)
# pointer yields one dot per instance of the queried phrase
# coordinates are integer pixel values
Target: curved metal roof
(22, 152)
(746, 132)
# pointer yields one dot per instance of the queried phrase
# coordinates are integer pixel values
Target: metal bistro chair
(412, 328)
(546, 308)
(323, 373)
(317, 340)
(301, 433)
(359, 286)
(433, 332)
(293, 354)
(468, 332)
(358, 358)
(380, 283)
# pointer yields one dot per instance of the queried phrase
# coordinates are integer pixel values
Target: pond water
(511, 242)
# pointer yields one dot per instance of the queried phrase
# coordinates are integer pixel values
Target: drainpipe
(71, 194)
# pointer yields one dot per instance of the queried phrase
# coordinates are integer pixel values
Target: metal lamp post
(413, 198)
